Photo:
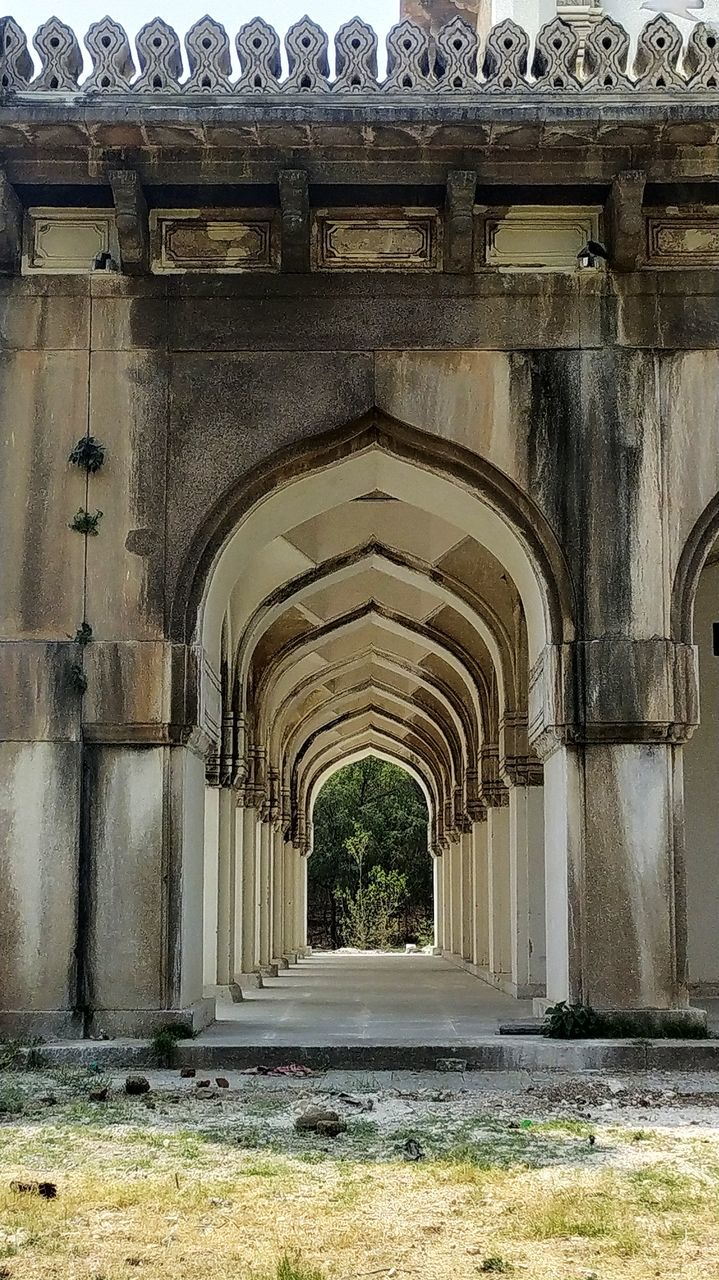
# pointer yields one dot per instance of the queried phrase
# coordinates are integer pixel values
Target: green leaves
(374, 813)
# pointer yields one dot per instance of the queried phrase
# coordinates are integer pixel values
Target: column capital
(613, 689)
(493, 789)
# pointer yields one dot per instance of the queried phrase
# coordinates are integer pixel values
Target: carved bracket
(10, 228)
(624, 221)
(459, 224)
(131, 220)
(295, 205)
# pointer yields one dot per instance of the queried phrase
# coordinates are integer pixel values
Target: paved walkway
(331, 999)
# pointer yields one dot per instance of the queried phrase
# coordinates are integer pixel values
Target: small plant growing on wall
(85, 522)
(88, 453)
(83, 635)
(78, 678)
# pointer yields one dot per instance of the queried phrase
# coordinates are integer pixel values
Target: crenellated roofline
(456, 67)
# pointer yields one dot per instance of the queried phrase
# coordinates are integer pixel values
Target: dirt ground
(441, 1176)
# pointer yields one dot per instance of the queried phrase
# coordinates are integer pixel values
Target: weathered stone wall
(597, 397)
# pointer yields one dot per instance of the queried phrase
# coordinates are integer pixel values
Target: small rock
(412, 1150)
(616, 1086)
(312, 1117)
(98, 1095)
(202, 1084)
(48, 1190)
(330, 1128)
(361, 1104)
(221, 1082)
(205, 1091)
(187, 1073)
(137, 1084)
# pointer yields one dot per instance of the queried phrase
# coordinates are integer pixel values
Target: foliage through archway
(370, 874)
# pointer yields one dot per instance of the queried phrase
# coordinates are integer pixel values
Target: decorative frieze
(577, 51)
(375, 240)
(539, 237)
(67, 240)
(217, 240)
(677, 239)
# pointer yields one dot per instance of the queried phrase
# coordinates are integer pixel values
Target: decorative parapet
(457, 62)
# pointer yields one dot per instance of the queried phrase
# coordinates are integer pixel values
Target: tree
(380, 805)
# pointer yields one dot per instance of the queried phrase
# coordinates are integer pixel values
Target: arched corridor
(376, 603)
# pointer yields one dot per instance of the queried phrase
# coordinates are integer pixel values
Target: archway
(370, 877)
(697, 616)
(375, 595)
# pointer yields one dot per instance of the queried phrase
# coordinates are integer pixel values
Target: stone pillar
(438, 901)
(500, 949)
(300, 905)
(39, 861)
(467, 865)
(455, 852)
(614, 882)
(226, 887)
(209, 896)
(249, 888)
(288, 896)
(264, 896)
(278, 901)
(700, 771)
(446, 874)
(526, 888)
(303, 903)
(144, 942)
(480, 887)
(239, 893)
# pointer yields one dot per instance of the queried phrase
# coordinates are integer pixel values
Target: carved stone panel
(217, 240)
(539, 237)
(683, 241)
(372, 240)
(67, 241)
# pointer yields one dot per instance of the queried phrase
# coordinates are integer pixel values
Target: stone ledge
(491, 1054)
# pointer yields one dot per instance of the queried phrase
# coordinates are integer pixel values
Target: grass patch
(291, 1267)
(223, 1193)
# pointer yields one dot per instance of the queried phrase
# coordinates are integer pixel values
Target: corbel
(132, 221)
(624, 221)
(10, 228)
(459, 221)
(295, 206)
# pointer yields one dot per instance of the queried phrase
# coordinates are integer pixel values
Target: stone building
(347, 413)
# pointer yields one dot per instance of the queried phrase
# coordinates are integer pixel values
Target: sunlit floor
(340, 999)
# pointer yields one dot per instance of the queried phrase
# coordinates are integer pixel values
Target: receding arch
(390, 662)
(485, 503)
(470, 672)
(404, 568)
(354, 758)
(418, 719)
(695, 553)
(369, 739)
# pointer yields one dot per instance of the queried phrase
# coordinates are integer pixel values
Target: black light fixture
(591, 255)
(105, 262)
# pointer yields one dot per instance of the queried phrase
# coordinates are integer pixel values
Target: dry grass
(173, 1195)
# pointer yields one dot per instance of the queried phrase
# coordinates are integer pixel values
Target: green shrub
(565, 1021)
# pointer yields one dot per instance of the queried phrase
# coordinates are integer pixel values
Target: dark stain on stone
(585, 449)
(140, 542)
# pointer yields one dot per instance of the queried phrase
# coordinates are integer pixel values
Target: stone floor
(332, 999)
